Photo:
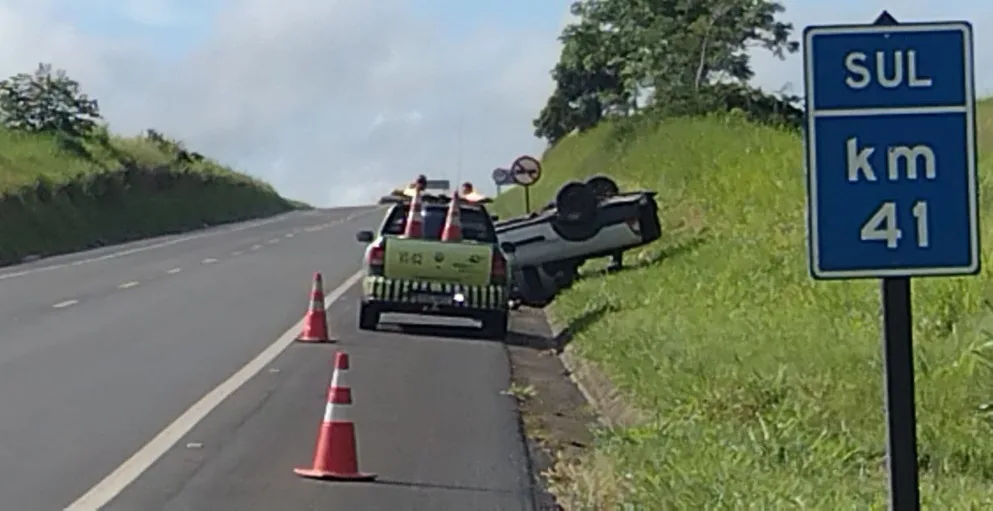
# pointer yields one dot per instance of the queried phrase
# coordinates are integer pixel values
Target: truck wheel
(575, 232)
(576, 203)
(530, 289)
(368, 317)
(495, 325)
(603, 187)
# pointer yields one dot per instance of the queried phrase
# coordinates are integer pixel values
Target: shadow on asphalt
(524, 332)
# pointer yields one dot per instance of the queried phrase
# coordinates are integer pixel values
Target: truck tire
(495, 325)
(368, 317)
(603, 187)
(575, 232)
(529, 288)
(576, 203)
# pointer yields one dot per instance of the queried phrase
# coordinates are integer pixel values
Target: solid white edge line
(129, 471)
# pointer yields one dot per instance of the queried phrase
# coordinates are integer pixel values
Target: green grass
(767, 385)
(59, 195)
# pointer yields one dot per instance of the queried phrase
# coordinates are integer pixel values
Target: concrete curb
(613, 408)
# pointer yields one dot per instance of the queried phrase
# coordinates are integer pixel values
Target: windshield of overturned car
(476, 225)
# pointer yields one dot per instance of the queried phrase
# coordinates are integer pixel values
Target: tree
(47, 101)
(591, 78)
(673, 55)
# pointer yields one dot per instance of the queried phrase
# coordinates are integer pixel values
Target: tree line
(658, 58)
(48, 101)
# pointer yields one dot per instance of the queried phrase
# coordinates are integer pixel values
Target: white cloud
(330, 100)
(334, 101)
(773, 74)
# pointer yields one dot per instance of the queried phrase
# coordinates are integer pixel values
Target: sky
(336, 101)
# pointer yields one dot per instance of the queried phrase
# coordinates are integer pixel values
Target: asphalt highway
(104, 354)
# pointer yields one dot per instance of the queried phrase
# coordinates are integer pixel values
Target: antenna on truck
(458, 162)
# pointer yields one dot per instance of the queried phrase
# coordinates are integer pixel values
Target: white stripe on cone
(338, 412)
(335, 412)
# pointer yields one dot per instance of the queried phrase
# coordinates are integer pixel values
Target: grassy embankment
(767, 385)
(59, 195)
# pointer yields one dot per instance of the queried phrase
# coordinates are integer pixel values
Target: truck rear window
(476, 225)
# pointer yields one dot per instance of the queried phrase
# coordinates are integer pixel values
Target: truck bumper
(435, 298)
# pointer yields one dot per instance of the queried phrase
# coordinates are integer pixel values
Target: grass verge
(61, 194)
(767, 386)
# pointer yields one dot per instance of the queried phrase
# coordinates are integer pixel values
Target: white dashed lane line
(209, 260)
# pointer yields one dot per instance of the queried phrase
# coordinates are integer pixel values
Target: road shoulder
(557, 419)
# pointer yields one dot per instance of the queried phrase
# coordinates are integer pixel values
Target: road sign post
(891, 183)
(525, 171)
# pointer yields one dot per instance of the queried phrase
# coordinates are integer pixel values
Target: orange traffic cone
(415, 222)
(336, 455)
(315, 323)
(452, 231)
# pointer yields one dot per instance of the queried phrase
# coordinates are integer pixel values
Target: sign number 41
(882, 226)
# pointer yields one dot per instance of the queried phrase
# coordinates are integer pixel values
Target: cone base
(312, 473)
(316, 340)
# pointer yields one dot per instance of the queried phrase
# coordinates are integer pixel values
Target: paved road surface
(99, 352)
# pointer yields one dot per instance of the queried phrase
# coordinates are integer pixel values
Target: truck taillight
(498, 269)
(375, 256)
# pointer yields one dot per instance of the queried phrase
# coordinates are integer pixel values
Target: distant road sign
(891, 150)
(525, 170)
(502, 177)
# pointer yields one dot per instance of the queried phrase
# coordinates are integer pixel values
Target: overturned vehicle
(585, 221)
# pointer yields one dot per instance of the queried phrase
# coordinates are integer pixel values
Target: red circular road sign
(525, 170)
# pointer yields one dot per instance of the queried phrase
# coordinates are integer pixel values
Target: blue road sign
(502, 177)
(891, 150)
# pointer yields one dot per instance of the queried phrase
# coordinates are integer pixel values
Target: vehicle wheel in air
(495, 325)
(576, 203)
(603, 187)
(368, 317)
(575, 232)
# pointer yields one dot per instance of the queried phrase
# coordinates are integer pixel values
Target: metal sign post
(525, 171)
(891, 183)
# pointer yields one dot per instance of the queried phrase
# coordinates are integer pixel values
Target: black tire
(603, 187)
(495, 325)
(576, 204)
(575, 232)
(529, 289)
(368, 317)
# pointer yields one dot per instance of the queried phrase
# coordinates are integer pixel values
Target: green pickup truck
(468, 278)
